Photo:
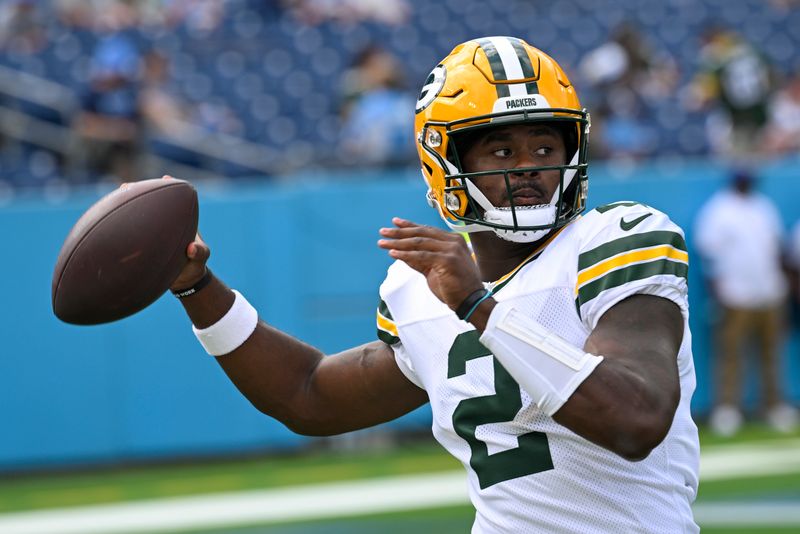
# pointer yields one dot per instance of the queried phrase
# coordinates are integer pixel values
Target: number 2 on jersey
(533, 453)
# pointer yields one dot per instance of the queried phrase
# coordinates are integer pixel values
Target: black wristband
(203, 282)
(472, 299)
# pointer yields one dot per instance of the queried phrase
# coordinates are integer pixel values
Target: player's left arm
(627, 403)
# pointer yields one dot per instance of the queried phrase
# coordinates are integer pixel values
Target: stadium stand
(262, 80)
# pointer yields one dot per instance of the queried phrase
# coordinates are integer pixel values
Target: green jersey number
(533, 453)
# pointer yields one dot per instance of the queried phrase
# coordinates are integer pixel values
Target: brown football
(125, 251)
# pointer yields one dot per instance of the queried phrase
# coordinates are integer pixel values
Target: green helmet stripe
(527, 66)
(496, 64)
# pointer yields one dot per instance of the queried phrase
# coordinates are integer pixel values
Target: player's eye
(501, 152)
(544, 151)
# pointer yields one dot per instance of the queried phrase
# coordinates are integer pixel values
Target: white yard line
(747, 514)
(750, 460)
(382, 495)
(247, 507)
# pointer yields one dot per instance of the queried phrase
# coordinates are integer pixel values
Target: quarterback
(554, 349)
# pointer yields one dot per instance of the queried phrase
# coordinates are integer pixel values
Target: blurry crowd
(130, 106)
(750, 108)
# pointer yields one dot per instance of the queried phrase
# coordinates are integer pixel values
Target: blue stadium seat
(281, 77)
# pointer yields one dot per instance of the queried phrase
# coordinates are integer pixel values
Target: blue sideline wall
(303, 251)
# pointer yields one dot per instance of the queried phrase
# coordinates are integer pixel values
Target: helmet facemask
(524, 224)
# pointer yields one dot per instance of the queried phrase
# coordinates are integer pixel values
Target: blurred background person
(627, 78)
(109, 125)
(22, 26)
(739, 235)
(736, 83)
(376, 126)
(782, 134)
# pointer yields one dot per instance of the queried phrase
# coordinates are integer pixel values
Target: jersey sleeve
(387, 329)
(387, 332)
(633, 249)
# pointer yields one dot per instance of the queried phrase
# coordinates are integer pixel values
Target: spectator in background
(783, 130)
(163, 111)
(626, 76)
(376, 126)
(737, 82)
(739, 235)
(623, 132)
(22, 27)
(110, 122)
(626, 62)
(166, 118)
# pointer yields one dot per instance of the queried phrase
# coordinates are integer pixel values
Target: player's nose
(525, 166)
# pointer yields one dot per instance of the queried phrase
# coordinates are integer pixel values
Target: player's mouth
(527, 194)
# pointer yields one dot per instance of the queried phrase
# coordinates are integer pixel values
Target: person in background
(627, 76)
(736, 82)
(110, 123)
(739, 235)
(783, 130)
(376, 126)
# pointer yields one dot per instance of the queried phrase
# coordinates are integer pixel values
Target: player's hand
(443, 257)
(198, 254)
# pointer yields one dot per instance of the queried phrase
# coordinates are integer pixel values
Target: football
(124, 251)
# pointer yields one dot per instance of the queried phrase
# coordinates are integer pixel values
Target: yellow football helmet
(480, 84)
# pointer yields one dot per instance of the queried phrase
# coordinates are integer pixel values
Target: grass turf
(39, 491)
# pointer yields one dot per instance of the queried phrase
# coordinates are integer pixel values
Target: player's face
(516, 147)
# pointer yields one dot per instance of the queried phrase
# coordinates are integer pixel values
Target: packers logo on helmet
(481, 84)
(433, 85)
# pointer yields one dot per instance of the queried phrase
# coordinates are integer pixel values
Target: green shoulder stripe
(631, 242)
(388, 338)
(385, 325)
(609, 207)
(631, 273)
(383, 309)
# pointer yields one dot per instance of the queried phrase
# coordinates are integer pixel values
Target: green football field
(143, 484)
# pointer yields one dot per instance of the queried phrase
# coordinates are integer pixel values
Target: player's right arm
(294, 382)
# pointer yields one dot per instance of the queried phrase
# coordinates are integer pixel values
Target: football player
(555, 352)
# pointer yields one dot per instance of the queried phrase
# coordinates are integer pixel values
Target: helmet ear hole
(452, 201)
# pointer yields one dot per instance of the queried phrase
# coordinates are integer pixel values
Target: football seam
(86, 235)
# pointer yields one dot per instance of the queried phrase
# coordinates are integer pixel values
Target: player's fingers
(415, 243)
(403, 223)
(198, 251)
(421, 231)
(420, 260)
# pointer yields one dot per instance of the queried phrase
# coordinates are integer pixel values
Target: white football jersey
(526, 472)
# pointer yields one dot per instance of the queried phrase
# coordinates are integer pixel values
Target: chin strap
(540, 215)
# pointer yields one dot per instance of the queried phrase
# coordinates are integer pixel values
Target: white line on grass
(747, 514)
(248, 507)
(750, 460)
(412, 492)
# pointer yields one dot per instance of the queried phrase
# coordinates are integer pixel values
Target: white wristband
(228, 334)
(547, 367)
